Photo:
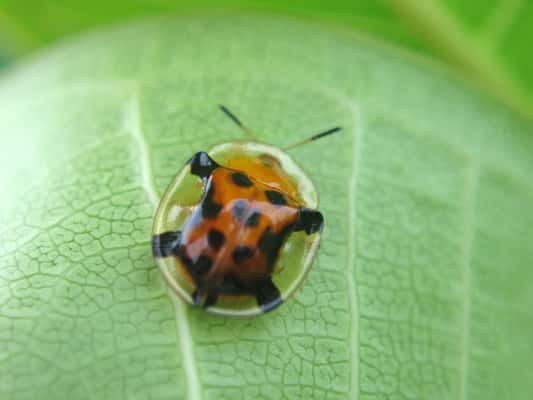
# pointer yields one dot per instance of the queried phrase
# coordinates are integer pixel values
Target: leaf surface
(422, 285)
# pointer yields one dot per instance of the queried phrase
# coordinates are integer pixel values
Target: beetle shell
(237, 229)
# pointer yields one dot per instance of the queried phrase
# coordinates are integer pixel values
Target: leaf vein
(356, 153)
(350, 269)
(472, 183)
(186, 345)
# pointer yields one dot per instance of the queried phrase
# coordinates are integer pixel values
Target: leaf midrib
(350, 267)
(133, 123)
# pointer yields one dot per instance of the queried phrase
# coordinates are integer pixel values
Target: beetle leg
(202, 165)
(310, 221)
(210, 299)
(268, 296)
(165, 244)
(197, 295)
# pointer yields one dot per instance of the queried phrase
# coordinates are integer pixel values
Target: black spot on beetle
(241, 253)
(184, 257)
(215, 238)
(203, 264)
(253, 219)
(232, 284)
(270, 243)
(241, 180)
(239, 207)
(210, 209)
(196, 267)
(276, 197)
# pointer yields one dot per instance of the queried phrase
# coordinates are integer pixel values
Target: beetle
(231, 241)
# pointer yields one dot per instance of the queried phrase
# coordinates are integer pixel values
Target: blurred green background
(488, 42)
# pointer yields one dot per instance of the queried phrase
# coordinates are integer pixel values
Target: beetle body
(231, 242)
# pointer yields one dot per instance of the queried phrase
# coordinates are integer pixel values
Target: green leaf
(422, 285)
(488, 42)
(4, 60)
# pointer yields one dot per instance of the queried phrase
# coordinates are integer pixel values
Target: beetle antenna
(313, 138)
(237, 121)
